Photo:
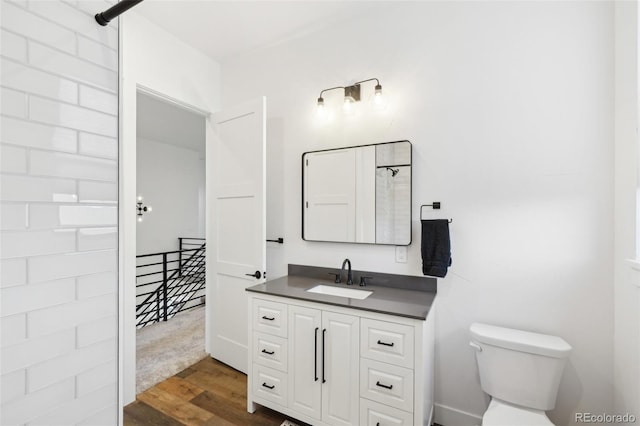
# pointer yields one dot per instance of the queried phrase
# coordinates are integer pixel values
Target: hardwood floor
(207, 393)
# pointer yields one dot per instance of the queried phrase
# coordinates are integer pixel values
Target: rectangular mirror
(359, 194)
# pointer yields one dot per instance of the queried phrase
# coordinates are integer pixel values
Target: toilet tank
(518, 366)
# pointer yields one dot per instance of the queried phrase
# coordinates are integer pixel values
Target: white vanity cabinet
(342, 366)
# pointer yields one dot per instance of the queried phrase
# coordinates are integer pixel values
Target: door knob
(257, 275)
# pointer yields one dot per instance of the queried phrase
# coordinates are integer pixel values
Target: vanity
(343, 355)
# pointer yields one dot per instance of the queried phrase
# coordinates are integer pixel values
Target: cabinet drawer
(270, 384)
(270, 351)
(376, 414)
(387, 384)
(387, 342)
(270, 317)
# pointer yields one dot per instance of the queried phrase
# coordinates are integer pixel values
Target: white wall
(156, 60)
(627, 274)
(171, 181)
(58, 285)
(509, 106)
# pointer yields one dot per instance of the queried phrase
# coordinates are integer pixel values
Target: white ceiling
(161, 121)
(222, 29)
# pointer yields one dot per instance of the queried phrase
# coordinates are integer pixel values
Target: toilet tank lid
(519, 340)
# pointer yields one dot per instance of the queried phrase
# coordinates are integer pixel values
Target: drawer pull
(268, 318)
(264, 351)
(267, 386)
(384, 386)
(380, 342)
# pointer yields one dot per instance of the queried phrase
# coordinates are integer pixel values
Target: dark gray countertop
(386, 300)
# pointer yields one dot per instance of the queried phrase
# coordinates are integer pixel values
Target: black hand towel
(436, 247)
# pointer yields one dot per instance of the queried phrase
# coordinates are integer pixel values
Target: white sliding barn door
(235, 227)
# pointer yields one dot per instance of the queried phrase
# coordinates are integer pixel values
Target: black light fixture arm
(103, 18)
(369, 79)
(332, 88)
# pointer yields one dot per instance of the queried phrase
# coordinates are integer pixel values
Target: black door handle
(324, 330)
(315, 357)
(384, 386)
(264, 351)
(267, 386)
(257, 275)
(384, 344)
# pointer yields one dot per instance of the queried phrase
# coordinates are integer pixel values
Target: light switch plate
(401, 254)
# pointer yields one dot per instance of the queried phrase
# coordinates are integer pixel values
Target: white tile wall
(13, 46)
(12, 272)
(83, 409)
(20, 21)
(58, 258)
(87, 381)
(98, 146)
(30, 134)
(13, 159)
(13, 103)
(44, 163)
(12, 386)
(69, 365)
(61, 63)
(35, 403)
(24, 78)
(97, 192)
(97, 239)
(65, 115)
(13, 329)
(96, 285)
(53, 216)
(69, 316)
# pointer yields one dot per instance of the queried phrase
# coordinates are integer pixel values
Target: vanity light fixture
(141, 209)
(352, 94)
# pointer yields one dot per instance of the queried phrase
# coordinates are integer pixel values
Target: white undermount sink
(340, 291)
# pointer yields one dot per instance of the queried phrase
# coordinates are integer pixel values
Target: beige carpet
(166, 348)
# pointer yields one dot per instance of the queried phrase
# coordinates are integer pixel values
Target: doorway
(170, 238)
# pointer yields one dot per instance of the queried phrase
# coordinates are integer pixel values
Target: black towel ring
(436, 206)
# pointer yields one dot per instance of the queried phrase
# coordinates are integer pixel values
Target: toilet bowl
(521, 371)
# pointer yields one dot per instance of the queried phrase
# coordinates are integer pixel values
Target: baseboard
(448, 416)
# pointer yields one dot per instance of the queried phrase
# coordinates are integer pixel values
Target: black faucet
(349, 276)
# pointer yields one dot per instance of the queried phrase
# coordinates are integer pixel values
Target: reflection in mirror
(359, 194)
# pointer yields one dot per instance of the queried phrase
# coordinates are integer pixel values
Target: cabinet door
(340, 360)
(304, 360)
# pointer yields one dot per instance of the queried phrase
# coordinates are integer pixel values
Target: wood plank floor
(207, 393)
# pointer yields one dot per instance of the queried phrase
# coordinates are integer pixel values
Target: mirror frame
(356, 242)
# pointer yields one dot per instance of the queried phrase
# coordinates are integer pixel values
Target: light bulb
(148, 208)
(348, 104)
(140, 218)
(139, 197)
(379, 102)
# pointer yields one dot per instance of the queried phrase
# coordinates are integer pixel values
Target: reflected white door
(235, 227)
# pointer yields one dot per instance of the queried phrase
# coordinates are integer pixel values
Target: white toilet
(521, 372)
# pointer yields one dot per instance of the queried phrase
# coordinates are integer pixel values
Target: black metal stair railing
(170, 282)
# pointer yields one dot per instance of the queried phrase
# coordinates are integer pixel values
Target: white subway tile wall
(58, 214)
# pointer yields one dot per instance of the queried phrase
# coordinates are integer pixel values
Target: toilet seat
(502, 413)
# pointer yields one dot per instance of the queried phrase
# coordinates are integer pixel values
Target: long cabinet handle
(267, 386)
(324, 331)
(380, 342)
(315, 356)
(264, 351)
(264, 317)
